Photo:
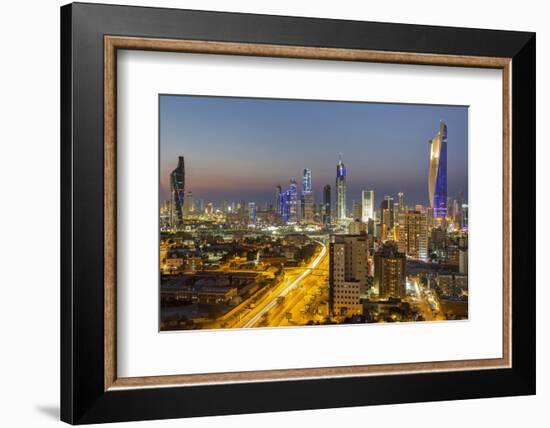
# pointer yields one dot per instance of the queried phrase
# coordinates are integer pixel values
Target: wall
(29, 230)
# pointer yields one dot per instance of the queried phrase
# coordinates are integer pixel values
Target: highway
(267, 304)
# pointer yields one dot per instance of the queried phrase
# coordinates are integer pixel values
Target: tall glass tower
(367, 205)
(306, 200)
(340, 191)
(289, 203)
(177, 188)
(437, 178)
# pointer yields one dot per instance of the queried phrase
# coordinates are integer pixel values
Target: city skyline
(218, 143)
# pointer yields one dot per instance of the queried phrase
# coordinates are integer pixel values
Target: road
(427, 303)
(291, 283)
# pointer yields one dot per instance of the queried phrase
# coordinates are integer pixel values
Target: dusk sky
(241, 148)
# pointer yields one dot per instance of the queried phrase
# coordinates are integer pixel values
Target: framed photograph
(266, 213)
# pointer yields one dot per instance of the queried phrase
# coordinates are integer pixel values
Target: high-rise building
(389, 272)
(413, 235)
(400, 203)
(252, 212)
(340, 191)
(367, 201)
(437, 178)
(177, 189)
(289, 203)
(387, 209)
(348, 273)
(327, 206)
(306, 198)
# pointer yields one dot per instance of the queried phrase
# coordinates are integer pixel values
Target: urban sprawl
(305, 261)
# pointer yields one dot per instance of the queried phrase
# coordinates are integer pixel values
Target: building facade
(389, 273)
(177, 194)
(341, 191)
(437, 177)
(413, 235)
(306, 200)
(347, 274)
(367, 202)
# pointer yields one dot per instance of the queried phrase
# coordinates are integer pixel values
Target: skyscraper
(289, 203)
(400, 203)
(307, 197)
(340, 191)
(437, 178)
(177, 188)
(367, 200)
(347, 273)
(387, 211)
(327, 206)
(389, 272)
(252, 212)
(413, 235)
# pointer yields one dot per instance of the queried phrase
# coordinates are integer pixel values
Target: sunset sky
(241, 148)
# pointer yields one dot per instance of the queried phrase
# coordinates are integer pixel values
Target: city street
(285, 291)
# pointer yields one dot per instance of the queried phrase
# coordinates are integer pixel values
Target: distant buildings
(347, 273)
(437, 177)
(389, 272)
(177, 194)
(413, 235)
(340, 191)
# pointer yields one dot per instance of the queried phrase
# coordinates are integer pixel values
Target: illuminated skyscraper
(252, 212)
(327, 206)
(307, 197)
(340, 191)
(400, 203)
(387, 209)
(437, 178)
(177, 188)
(367, 200)
(289, 203)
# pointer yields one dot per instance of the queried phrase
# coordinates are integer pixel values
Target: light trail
(256, 318)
